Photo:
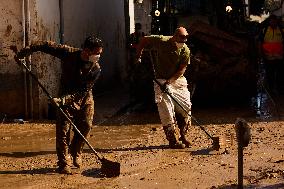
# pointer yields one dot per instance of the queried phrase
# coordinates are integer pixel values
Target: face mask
(94, 58)
(179, 45)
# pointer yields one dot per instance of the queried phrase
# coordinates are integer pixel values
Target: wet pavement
(136, 140)
(109, 103)
(266, 103)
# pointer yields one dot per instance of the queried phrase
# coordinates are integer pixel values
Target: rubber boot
(64, 170)
(171, 137)
(77, 160)
(185, 141)
(77, 157)
(77, 144)
(183, 126)
(63, 165)
(64, 160)
(76, 149)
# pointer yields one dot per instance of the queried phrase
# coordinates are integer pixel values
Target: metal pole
(28, 42)
(243, 138)
(61, 21)
(24, 70)
(240, 134)
(240, 166)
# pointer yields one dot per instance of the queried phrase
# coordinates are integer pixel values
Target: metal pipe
(127, 19)
(27, 43)
(61, 21)
(240, 132)
(247, 6)
(24, 70)
(240, 164)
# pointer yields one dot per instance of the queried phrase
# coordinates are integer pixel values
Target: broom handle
(59, 108)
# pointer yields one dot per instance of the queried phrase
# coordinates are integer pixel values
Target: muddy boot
(64, 160)
(77, 143)
(76, 151)
(64, 163)
(176, 145)
(183, 125)
(185, 141)
(171, 137)
(77, 161)
(64, 170)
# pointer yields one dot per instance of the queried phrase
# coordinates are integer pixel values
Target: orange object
(273, 49)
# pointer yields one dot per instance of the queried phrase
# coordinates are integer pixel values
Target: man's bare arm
(179, 73)
(144, 42)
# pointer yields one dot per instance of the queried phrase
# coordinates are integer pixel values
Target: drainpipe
(127, 20)
(27, 43)
(247, 5)
(61, 21)
(24, 70)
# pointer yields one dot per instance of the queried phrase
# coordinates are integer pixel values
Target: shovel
(108, 168)
(216, 140)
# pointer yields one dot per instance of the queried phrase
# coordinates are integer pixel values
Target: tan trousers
(171, 114)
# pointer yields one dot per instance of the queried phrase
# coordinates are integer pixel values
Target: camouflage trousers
(67, 145)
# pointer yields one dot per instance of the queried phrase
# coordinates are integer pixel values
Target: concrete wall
(11, 77)
(143, 15)
(45, 24)
(105, 19)
(81, 18)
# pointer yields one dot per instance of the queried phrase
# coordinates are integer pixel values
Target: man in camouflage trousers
(80, 70)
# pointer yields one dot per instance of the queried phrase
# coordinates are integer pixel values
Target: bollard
(243, 138)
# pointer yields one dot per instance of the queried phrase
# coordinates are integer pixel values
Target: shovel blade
(216, 143)
(110, 168)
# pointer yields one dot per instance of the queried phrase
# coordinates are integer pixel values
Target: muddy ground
(135, 139)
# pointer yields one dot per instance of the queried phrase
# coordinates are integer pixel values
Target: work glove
(17, 59)
(165, 87)
(138, 61)
(56, 102)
